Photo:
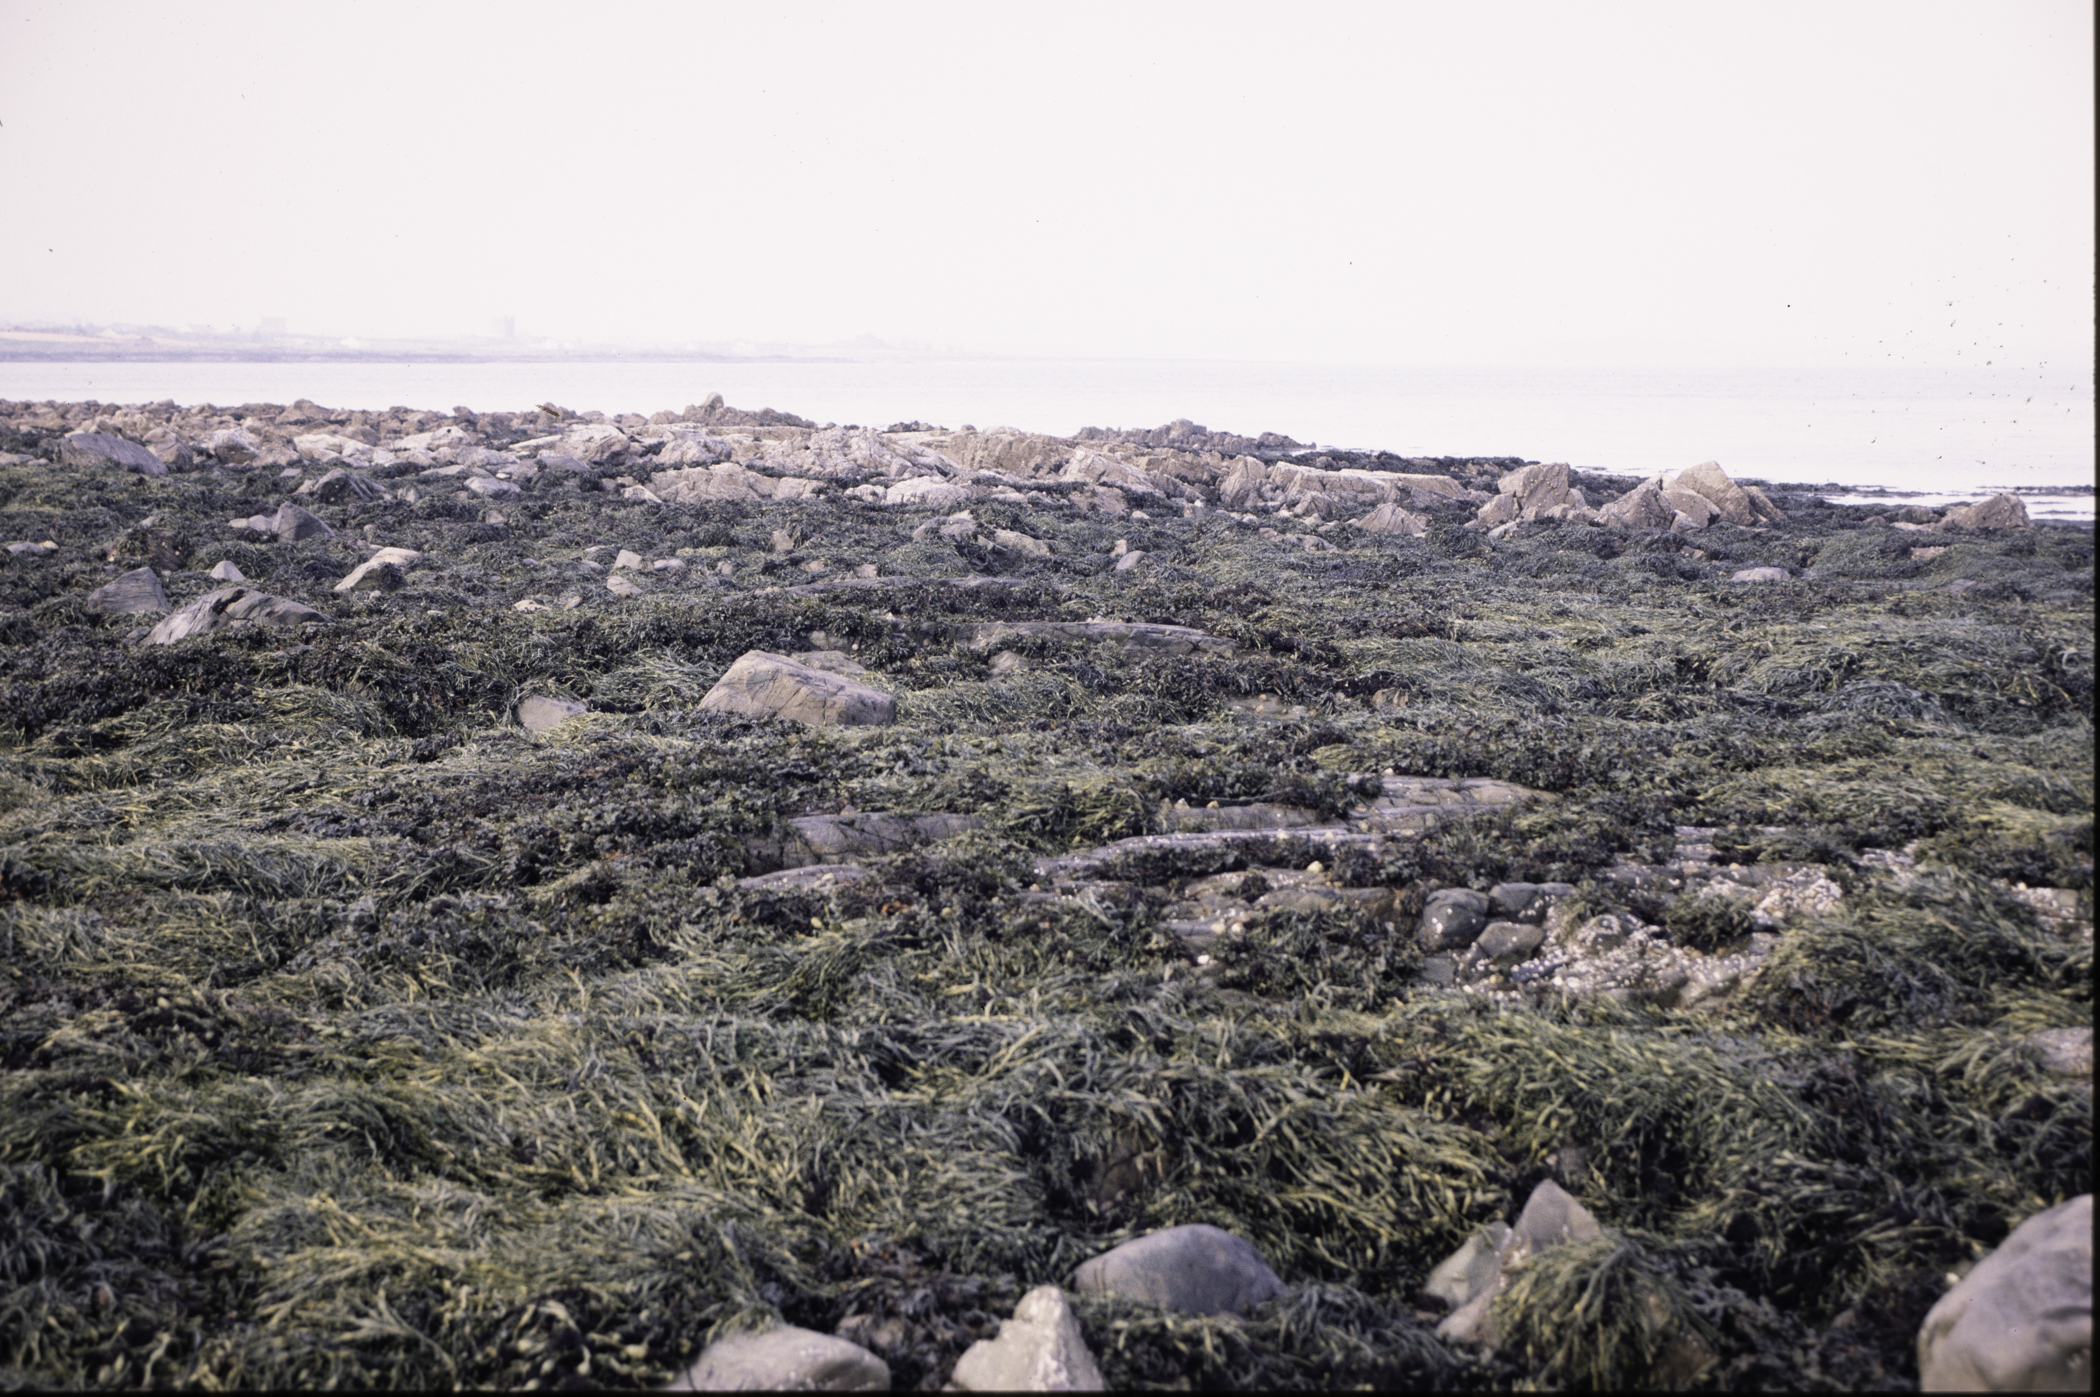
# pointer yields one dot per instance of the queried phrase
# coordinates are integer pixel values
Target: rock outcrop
(1689, 499)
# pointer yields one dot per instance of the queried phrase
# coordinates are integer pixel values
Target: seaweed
(353, 1035)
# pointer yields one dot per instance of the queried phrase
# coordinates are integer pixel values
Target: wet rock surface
(1333, 876)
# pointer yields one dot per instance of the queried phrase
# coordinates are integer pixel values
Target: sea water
(1935, 435)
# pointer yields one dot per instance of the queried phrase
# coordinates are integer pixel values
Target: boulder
(294, 524)
(1391, 518)
(2066, 1052)
(1723, 496)
(1130, 560)
(1195, 1269)
(1691, 504)
(1452, 920)
(341, 487)
(1018, 545)
(1041, 1349)
(225, 571)
(129, 594)
(627, 558)
(1762, 575)
(724, 481)
(785, 1359)
(763, 684)
(488, 487)
(928, 492)
(231, 607)
(1642, 507)
(540, 714)
(323, 447)
(381, 571)
(1007, 449)
(837, 453)
(173, 452)
(233, 446)
(1997, 512)
(100, 450)
(621, 586)
(1550, 1217)
(2022, 1320)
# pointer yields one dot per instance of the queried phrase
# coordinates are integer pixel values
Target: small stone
(627, 558)
(225, 571)
(571, 602)
(1195, 1269)
(1130, 560)
(1762, 575)
(785, 1359)
(1041, 1349)
(537, 714)
(764, 684)
(783, 541)
(623, 586)
(380, 572)
(2067, 1052)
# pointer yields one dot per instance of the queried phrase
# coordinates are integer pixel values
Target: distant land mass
(151, 344)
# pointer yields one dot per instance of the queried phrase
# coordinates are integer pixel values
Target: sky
(1391, 183)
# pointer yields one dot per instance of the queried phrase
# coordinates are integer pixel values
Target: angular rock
(623, 586)
(837, 453)
(692, 447)
(726, 481)
(1041, 1349)
(1391, 518)
(230, 607)
(1469, 1270)
(173, 452)
(293, 524)
(929, 492)
(785, 1359)
(488, 487)
(323, 447)
(225, 571)
(1642, 507)
(627, 558)
(2067, 1052)
(2022, 1320)
(379, 570)
(1019, 545)
(1997, 512)
(233, 445)
(763, 684)
(340, 486)
(1452, 920)
(1723, 496)
(99, 450)
(541, 714)
(132, 593)
(1195, 1269)
(1762, 575)
(1550, 1217)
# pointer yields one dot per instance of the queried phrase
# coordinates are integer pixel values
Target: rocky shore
(545, 898)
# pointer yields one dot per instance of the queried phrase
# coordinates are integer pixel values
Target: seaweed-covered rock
(1452, 919)
(1997, 512)
(342, 487)
(766, 685)
(100, 450)
(131, 593)
(785, 1359)
(2022, 1321)
(1196, 1269)
(293, 524)
(231, 606)
(382, 571)
(813, 839)
(1041, 1349)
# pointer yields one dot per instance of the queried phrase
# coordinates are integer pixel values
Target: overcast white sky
(1594, 183)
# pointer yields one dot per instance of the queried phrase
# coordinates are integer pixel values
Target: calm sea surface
(1940, 433)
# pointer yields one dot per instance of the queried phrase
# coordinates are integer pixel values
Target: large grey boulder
(1041, 1349)
(1196, 1269)
(99, 450)
(1723, 496)
(1642, 507)
(2022, 1321)
(294, 524)
(785, 1359)
(233, 445)
(766, 685)
(231, 607)
(128, 594)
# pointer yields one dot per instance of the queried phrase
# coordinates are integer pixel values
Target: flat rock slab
(128, 594)
(765, 685)
(231, 606)
(785, 1359)
(821, 839)
(1256, 815)
(1255, 846)
(1195, 1269)
(2022, 1321)
(1041, 1349)
(1129, 635)
(810, 878)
